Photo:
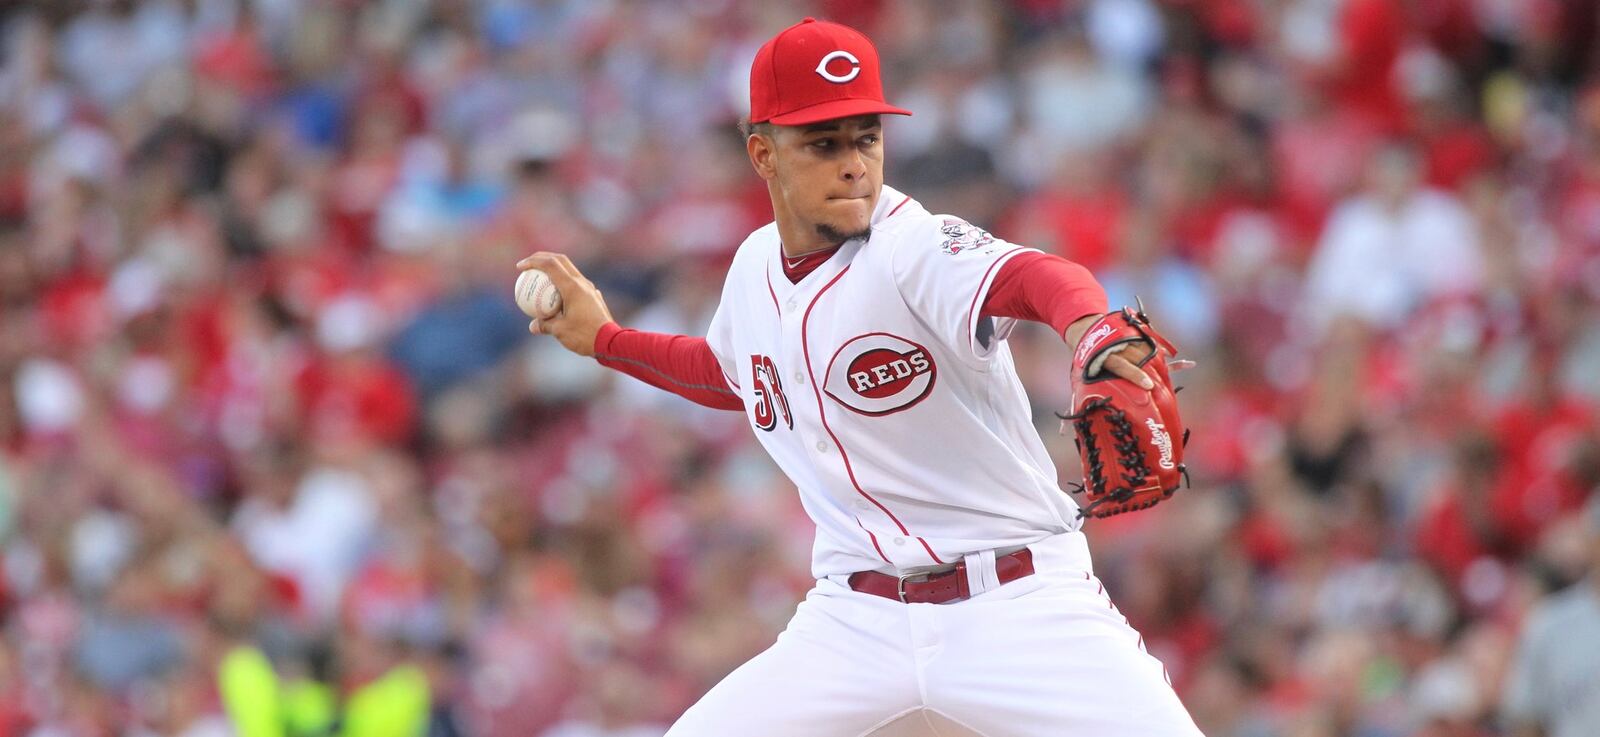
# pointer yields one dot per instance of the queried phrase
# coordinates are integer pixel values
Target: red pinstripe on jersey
(874, 538)
(985, 282)
(897, 207)
(775, 307)
(822, 414)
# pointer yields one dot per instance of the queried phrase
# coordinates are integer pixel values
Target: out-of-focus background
(278, 456)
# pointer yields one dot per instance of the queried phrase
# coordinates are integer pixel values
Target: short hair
(748, 129)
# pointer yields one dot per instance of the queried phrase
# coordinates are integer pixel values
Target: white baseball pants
(1047, 654)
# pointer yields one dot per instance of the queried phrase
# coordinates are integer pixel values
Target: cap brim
(834, 109)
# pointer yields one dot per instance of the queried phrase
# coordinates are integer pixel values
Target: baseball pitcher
(865, 340)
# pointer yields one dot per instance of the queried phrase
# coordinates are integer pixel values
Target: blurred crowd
(270, 423)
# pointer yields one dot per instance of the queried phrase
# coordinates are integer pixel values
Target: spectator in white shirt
(1392, 249)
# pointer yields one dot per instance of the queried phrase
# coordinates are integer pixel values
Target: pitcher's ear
(763, 151)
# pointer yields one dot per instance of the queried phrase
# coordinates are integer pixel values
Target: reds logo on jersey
(879, 374)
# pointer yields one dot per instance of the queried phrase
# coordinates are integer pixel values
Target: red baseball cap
(814, 71)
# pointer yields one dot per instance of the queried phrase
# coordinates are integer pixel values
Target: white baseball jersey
(877, 386)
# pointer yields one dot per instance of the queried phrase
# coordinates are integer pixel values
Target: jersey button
(793, 304)
(899, 541)
(799, 378)
(822, 446)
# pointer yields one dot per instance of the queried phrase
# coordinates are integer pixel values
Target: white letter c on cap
(855, 66)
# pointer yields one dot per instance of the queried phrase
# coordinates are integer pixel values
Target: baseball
(537, 295)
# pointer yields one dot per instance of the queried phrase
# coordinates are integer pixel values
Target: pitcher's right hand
(583, 308)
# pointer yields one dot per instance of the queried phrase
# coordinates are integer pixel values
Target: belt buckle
(900, 586)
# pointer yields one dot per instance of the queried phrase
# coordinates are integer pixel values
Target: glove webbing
(1130, 456)
(1090, 450)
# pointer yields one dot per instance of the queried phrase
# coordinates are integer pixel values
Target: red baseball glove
(1130, 439)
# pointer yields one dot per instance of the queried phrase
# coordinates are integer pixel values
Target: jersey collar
(891, 203)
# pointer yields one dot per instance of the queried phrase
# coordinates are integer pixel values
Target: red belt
(939, 588)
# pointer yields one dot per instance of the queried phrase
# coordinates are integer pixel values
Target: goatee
(835, 235)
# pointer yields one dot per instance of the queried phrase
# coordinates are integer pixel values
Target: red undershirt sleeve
(1044, 288)
(679, 364)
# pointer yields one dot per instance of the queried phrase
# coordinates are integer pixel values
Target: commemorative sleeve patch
(961, 236)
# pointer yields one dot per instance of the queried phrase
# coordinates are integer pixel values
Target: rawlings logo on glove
(1125, 432)
(1162, 441)
(1091, 339)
